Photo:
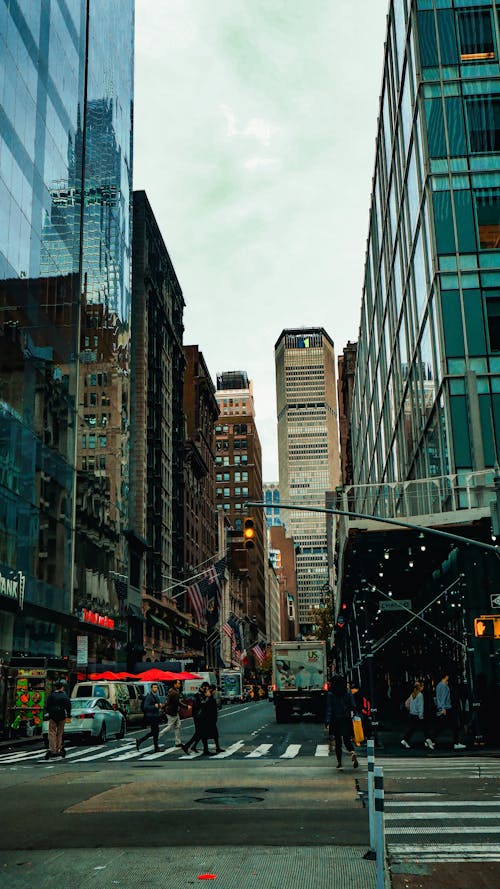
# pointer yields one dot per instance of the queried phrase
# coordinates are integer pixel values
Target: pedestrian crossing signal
(487, 627)
(249, 534)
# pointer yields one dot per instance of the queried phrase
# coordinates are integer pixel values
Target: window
(92, 440)
(104, 420)
(487, 202)
(237, 524)
(90, 419)
(93, 379)
(84, 441)
(245, 492)
(102, 461)
(244, 476)
(227, 476)
(103, 440)
(493, 313)
(218, 461)
(237, 459)
(226, 461)
(237, 492)
(93, 399)
(218, 477)
(227, 492)
(91, 464)
(84, 463)
(237, 476)
(483, 116)
(227, 507)
(218, 492)
(476, 35)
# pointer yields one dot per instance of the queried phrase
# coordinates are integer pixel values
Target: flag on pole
(197, 601)
(259, 653)
(228, 630)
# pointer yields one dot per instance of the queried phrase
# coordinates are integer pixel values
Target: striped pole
(379, 826)
(370, 756)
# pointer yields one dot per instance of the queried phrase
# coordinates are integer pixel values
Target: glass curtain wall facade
(427, 384)
(66, 92)
(308, 451)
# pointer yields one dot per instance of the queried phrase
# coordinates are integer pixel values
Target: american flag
(228, 630)
(197, 601)
(214, 575)
(259, 653)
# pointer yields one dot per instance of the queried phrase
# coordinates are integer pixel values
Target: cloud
(254, 162)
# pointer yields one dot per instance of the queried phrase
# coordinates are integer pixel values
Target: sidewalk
(300, 867)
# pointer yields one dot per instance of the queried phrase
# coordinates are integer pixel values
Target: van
(135, 714)
(191, 686)
(116, 693)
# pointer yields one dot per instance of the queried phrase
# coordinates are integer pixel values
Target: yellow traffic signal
(487, 627)
(249, 534)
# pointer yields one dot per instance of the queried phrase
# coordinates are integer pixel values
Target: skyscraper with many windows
(425, 420)
(308, 451)
(66, 90)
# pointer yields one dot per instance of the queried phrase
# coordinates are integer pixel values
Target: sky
(254, 139)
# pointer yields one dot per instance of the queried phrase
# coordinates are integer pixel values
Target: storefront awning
(182, 631)
(157, 621)
(134, 611)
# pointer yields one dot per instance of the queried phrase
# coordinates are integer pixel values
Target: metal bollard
(379, 826)
(370, 757)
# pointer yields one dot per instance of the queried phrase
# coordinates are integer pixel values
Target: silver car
(91, 719)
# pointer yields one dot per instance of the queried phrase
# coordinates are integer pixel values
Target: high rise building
(425, 420)
(65, 254)
(157, 432)
(271, 492)
(308, 451)
(238, 479)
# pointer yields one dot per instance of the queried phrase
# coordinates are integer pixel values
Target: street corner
(449, 875)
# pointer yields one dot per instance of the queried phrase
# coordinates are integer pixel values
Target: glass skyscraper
(427, 388)
(66, 94)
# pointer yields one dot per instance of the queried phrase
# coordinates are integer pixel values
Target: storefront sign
(82, 651)
(101, 620)
(12, 585)
(395, 605)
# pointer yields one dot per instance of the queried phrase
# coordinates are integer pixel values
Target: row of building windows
(226, 476)
(91, 439)
(233, 429)
(237, 460)
(226, 492)
(223, 444)
(96, 379)
(92, 463)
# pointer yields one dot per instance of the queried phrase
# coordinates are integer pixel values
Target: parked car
(117, 693)
(91, 719)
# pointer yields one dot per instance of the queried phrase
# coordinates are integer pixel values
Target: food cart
(28, 687)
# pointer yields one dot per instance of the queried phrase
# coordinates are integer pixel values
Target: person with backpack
(415, 709)
(59, 710)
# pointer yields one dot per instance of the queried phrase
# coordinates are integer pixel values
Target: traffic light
(487, 627)
(249, 534)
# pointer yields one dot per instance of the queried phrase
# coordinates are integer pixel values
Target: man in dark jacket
(172, 708)
(340, 708)
(152, 711)
(59, 709)
(200, 719)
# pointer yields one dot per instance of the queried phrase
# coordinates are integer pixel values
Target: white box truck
(299, 679)
(231, 685)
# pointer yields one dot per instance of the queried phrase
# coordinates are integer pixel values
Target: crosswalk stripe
(261, 750)
(108, 753)
(291, 751)
(438, 816)
(465, 804)
(444, 829)
(160, 754)
(322, 750)
(229, 751)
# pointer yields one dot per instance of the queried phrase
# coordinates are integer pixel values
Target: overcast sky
(255, 125)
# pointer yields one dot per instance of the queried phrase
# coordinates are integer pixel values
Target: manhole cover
(235, 799)
(233, 790)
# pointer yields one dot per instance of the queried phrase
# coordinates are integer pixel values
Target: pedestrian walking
(172, 708)
(340, 709)
(212, 713)
(151, 707)
(446, 713)
(200, 721)
(415, 707)
(59, 710)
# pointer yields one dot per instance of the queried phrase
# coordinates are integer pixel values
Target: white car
(91, 719)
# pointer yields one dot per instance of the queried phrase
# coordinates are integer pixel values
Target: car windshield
(83, 704)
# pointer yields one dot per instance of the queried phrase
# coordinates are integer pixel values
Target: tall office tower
(308, 451)
(425, 420)
(66, 87)
(345, 386)
(157, 430)
(238, 477)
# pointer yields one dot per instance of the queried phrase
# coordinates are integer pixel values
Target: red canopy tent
(109, 675)
(156, 675)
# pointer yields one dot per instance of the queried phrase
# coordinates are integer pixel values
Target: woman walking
(339, 712)
(415, 707)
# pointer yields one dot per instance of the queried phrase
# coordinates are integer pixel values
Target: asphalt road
(274, 787)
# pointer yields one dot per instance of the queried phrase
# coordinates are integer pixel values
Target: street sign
(82, 651)
(395, 605)
(495, 600)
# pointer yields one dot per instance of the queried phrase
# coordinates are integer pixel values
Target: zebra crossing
(125, 751)
(432, 827)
